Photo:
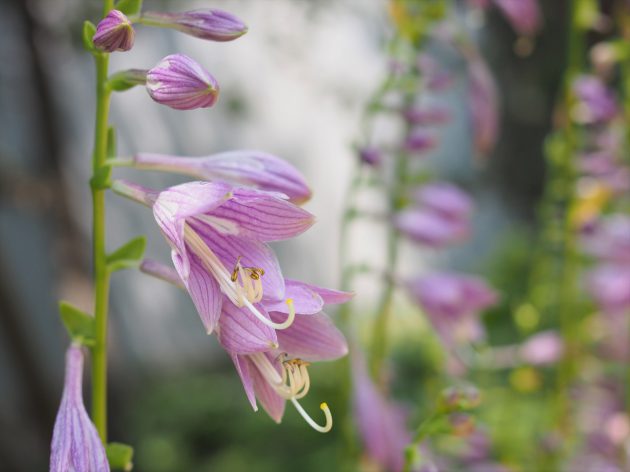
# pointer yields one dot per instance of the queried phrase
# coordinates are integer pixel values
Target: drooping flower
(273, 364)
(420, 141)
(430, 228)
(523, 15)
(371, 156)
(114, 33)
(381, 423)
(452, 303)
(218, 236)
(76, 445)
(252, 168)
(445, 199)
(483, 104)
(181, 83)
(210, 24)
(273, 376)
(542, 348)
(596, 102)
(609, 285)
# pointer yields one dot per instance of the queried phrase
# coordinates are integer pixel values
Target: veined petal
(329, 295)
(229, 248)
(263, 216)
(272, 403)
(205, 293)
(247, 167)
(244, 368)
(240, 332)
(312, 338)
(306, 301)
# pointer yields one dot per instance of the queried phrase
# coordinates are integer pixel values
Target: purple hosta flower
(420, 141)
(371, 156)
(603, 166)
(428, 227)
(273, 375)
(524, 15)
(609, 285)
(76, 445)
(218, 235)
(435, 77)
(381, 423)
(452, 302)
(114, 33)
(180, 83)
(427, 116)
(445, 199)
(253, 168)
(609, 239)
(542, 348)
(211, 24)
(483, 104)
(596, 102)
(273, 364)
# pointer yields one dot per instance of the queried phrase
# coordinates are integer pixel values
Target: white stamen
(242, 294)
(292, 384)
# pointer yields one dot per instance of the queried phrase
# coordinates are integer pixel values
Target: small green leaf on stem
(111, 142)
(128, 255)
(101, 178)
(129, 7)
(119, 456)
(88, 33)
(79, 324)
(126, 79)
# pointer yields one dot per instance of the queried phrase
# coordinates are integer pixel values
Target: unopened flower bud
(114, 33)
(370, 156)
(211, 24)
(180, 83)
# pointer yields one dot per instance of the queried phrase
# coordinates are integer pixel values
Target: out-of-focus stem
(101, 272)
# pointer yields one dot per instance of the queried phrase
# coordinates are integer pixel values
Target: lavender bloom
(430, 228)
(427, 116)
(218, 236)
(253, 168)
(596, 103)
(452, 303)
(114, 33)
(483, 105)
(381, 423)
(277, 374)
(609, 239)
(371, 156)
(445, 199)
(609, 285)
(523, 15)
(542, 348)
(180, 83)
(75, 444)
(211, 24)
(420, 141)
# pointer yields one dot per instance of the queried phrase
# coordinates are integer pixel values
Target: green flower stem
(101, 273)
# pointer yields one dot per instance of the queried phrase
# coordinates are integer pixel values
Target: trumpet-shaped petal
(312, 338)
(430, 228)
(114, 33)
(452, 303)
(445, 199)
(483, 105)
(181, 83)
(210, 24)
(240, 332)
(76, 445)
(253, 168)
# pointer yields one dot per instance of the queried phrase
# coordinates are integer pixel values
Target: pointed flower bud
(75, 443)
(114, 33)
(180, 83)
(211, 24)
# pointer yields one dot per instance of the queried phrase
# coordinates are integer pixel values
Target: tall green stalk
(99, 257)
